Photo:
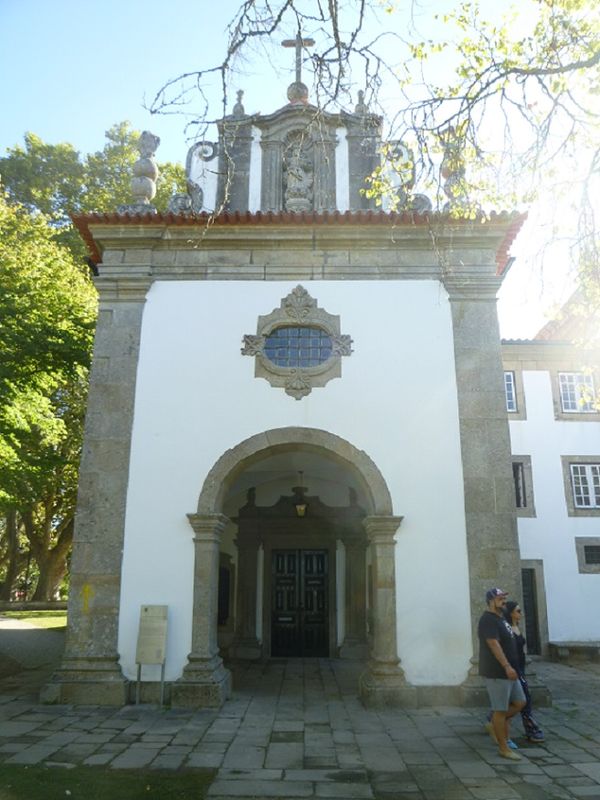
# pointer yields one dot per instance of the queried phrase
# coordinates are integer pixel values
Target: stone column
(89, 672)
(383, 683)
(246, 645)
(490, 516)
(272, 176)
(205, 681)
(355, 640)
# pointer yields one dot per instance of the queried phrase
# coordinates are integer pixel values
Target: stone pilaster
(355, 640)
(324, 175)
(383, 683)
(205, 681)
(234, 165)
(89, 672)
(363, 134)
(246, 645)
(272, 176)
(490, 517)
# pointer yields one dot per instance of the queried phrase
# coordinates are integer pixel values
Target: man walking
(497, 661)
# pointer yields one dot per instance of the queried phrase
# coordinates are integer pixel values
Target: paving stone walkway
(295, 729)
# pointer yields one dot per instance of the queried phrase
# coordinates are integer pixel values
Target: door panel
(530, 607)
(299, 610)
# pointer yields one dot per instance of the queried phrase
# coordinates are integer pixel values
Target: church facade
(297, 438)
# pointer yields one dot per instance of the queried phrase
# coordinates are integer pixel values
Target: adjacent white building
(554, 418)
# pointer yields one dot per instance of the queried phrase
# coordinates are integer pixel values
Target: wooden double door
(299, 603)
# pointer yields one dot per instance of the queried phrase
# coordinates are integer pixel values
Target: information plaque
(152, 643)
(152, 635)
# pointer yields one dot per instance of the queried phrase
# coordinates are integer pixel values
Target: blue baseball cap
(495, 592)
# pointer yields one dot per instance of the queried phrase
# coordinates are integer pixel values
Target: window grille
(592, 553)
(520, 489)
(298, 346)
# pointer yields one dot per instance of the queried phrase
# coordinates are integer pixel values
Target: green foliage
(54, 180)
(47, 318)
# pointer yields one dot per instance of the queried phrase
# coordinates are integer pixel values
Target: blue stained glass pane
(299, 346)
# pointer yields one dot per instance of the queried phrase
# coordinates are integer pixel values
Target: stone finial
(361, 106)
(297, 93)
(238, 109)
(145, 173)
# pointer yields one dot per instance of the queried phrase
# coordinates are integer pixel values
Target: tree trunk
(52, 570)
(12, 555)
(52, 564)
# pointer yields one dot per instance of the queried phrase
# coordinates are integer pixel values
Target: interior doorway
(299, 603)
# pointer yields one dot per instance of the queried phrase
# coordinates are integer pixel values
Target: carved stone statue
(298, 174)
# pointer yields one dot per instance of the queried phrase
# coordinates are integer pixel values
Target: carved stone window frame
(298, 308)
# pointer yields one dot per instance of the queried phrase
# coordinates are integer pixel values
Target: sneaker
(490, 729)
(512, 745)
(536, 737)
(510, 754)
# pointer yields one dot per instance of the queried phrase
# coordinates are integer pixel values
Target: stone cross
(298, 43)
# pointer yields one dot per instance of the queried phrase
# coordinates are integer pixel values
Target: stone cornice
(548, 351)
(360, 231)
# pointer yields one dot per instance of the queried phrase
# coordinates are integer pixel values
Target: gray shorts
(503, 692)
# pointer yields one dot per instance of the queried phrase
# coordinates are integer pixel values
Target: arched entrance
(270, 459)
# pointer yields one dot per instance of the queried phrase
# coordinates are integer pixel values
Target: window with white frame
(585, 480)
(510, 391)
(576, 392)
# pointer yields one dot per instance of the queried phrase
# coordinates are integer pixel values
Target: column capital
(128, 289)
(471, 285)
(381, 529)
(208, 525)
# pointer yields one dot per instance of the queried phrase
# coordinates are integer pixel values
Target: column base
(87, 681)
(383, 685)
(205, 683)
(246, 650)
(354, 649)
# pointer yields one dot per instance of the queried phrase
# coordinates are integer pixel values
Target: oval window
(301, 346)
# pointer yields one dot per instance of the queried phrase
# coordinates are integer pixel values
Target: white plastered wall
(572, 598)
(196, 397)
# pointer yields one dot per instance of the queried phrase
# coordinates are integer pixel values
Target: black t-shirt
(491, 626)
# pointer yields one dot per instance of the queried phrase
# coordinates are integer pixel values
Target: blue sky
(70, 69)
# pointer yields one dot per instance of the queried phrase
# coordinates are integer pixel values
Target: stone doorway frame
(383, 681)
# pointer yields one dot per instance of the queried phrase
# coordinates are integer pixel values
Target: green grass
(93, 783)
(41, 619)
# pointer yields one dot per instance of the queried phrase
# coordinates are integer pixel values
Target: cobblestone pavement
(295, 729)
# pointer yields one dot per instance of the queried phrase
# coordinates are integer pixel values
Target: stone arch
(244, 454)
